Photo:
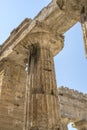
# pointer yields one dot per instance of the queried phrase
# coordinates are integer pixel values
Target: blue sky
(70, 63)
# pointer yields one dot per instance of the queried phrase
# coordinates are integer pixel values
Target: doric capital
(54, 40)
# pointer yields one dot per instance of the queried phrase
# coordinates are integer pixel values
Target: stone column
(84, 26)
(81, 125)
(42, 108)
(12, 87)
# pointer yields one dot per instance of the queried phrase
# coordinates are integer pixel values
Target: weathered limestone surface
(73, 104)
(80, 125)
(84, 25)
(64, 125)
(39, 95)
(12, 90)
(73, 107)
(56, 19)
(37, 108)
(42, 111)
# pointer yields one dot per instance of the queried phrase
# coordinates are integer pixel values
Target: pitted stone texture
(42, 112)
(84, 26)
(81, 125)
(12, 97)
(73, 104)
(12, 100)
(58, 17)
(47, 28)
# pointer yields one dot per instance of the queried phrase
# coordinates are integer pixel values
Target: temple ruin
(29, 97)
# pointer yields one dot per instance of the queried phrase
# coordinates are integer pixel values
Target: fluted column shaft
(41, 95)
